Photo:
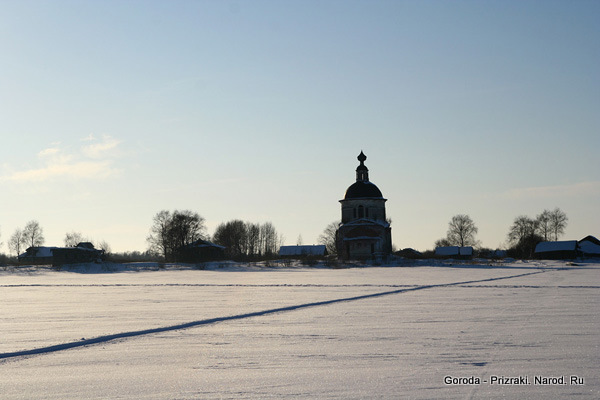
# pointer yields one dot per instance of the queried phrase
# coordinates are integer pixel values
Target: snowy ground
(258, 332)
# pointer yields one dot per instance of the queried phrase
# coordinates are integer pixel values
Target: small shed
(303, 250)
(589, 246)
(559, 250)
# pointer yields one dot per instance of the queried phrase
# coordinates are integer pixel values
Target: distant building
(304, 250)
(454, 252)
(200, 251)
(589, 246)
(560, 250)
(84, 252)
(364, 232)
(409, 253)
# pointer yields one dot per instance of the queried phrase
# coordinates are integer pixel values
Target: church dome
(362, 189)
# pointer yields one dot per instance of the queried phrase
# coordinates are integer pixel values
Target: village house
(589, 246)
(200, 251)
(559, 250)
(84, 252)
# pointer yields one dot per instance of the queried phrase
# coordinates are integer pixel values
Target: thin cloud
(580, 189)
(49, 152)
(101, 149)
(92, 162)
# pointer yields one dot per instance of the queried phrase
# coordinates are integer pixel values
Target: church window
(361, 212)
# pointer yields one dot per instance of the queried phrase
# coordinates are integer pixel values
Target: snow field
(397, 345)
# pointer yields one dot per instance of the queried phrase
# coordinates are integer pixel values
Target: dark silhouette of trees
(270, 240)
(33, 234)
(461, 232)
(525, 233)
(443, 242)
(243, 239)
(72, 239)
(551, 224)
(17, 242)
(328, 237)
(233, 235)
(171, 231)
(253, 239)
(186, 227)
(523, 236)
(558, 222)
(159, 240)
(543, 224)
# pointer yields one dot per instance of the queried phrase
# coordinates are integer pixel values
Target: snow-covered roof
(466, 251)
(313, 250)
(588, 247)
(564, 245)
(454, 251)
(42, 251)
(38, 252)
(590, 239)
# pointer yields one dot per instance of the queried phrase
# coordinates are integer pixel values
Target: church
(364, 232)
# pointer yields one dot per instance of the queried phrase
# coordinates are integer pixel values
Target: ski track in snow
(192, 324)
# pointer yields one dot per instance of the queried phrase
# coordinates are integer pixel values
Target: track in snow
(192, 324)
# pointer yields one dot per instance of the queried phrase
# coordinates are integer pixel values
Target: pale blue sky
(112, 111)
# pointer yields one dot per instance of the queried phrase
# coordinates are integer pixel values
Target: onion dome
(362, 188)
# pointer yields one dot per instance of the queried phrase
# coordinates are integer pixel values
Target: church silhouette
(364, 232)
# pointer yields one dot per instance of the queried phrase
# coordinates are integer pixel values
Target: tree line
(523, 236)
(171, 231)
(525, 232)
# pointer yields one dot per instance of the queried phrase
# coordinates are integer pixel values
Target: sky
(113, 111)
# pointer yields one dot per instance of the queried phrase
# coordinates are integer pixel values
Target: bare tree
(270, 239)
(461, 231)
(33, 234)
(522, 228)
(543, 224)
(253, 238)
(159, 240)
(558, 222)
(328, 237)
(72, 239)
(103, 245)
(16, 242)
